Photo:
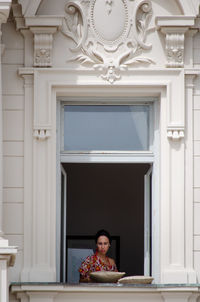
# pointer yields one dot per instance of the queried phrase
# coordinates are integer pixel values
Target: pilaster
(189, 178)
(28, 173)
(4, 12)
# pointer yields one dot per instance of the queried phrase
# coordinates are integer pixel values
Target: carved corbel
(41, 134)
(174, 29)
(43, 44)
(174, 38)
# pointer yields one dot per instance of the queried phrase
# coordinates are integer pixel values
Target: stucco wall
(13, 136)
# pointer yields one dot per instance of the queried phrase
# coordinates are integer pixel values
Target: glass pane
(119, 128)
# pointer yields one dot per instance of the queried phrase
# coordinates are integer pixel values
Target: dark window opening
(109, 196)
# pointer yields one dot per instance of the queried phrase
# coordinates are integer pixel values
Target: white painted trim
(111, 158)
(166, 83)
(112, 288)
(189, 180)
(121, 157)
(147, 221)
(65, 223)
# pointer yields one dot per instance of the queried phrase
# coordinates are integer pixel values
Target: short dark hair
(103, 233)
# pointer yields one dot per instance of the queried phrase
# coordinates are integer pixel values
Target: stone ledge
(101, 287)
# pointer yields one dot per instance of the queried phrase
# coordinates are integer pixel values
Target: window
(106, 127)
(106, 149)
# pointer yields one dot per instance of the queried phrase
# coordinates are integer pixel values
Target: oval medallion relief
(109, 19)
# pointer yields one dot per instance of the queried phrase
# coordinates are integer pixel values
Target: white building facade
(115, 54)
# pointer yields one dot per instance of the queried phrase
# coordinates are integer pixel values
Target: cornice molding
(175, 21)
(43, 21)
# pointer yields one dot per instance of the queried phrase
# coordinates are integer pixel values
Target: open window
(106, 161)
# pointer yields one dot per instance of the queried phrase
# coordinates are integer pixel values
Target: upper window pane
(110, 127)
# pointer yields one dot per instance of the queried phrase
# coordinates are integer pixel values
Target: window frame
(151, 157)
(79, 155)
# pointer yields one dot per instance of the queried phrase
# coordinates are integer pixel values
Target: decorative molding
(175, 133)
(116, 43)
(43, 44)
(174, 28)
(41, 134)
(175, 50)
(174, 46)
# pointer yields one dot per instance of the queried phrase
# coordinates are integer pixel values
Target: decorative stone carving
(175, 133)
(174, 28)
(43, 43)
(41, 134)
(175, 46)
(107, 36)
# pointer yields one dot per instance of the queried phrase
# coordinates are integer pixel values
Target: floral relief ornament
(105, 35)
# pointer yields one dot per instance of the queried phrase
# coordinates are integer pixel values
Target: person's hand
(85, 279)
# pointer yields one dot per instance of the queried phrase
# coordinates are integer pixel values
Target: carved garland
(92, 45)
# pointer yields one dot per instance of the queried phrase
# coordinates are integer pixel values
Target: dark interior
(109, 196)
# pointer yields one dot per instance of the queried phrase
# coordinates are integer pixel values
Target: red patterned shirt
(94, 264)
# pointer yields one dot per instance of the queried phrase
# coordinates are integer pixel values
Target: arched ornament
(108, 35)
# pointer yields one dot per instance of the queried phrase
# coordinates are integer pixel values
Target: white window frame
(151, 157)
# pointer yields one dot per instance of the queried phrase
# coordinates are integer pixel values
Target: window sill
(101, 287)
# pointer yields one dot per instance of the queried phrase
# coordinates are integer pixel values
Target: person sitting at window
(99, 261)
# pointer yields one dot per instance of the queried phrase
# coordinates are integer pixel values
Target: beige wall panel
(196, 40)
(13, 218)
(13, 125)
(197, 264)
(13, 102)
(13, 172)
(196, 172)
(197, 85)
(10, 37)
(13, 148)
(196, 148)
(197, 102)
(196, 55)
(15, 271)
(16, 240)
(13, 195)
(197, 125)
(13, 56)
(197, 243)
(196, 218)
(197, 194)
(11, 81)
